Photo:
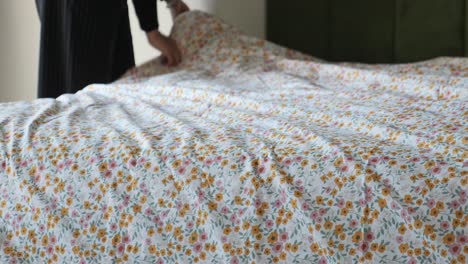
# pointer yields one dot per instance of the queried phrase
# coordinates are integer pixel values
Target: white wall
(19, 38)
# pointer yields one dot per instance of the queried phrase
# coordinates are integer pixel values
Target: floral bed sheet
(246, 153)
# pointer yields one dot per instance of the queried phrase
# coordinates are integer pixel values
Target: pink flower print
(445, 225)
(53, 240)
(284, 236)
(319, 219)
(60, 166)
(113, 165)
(399, 239)
(164, 158)
(190, 225)
(462, 201)
(160, 261)
(126, 239)
(344, 168)
(149, 212)
(257, 203)
(224, 239)
(364, 246)
(203, 236)
(340, 203)
(234, 260)
(225, 210)
(462, 193)
(121, 248)
(197, 247)
(261, 169)
(50, 250)
(412, 261)
(113, 227)
(3, 165)
(181, 170)
(269, 224)
(305, 206)
(277, 204)
(219, 158)
(462, 239)
(108, 174)
(277, 247)
(322, 211)
(287, 162)
(374, 160)
(208, 162)
(436, 170)
(233, 218)
(243, 158)
(323, 260)
(165, 214)
(353, 223)
(431, 203)
(132, 162)
(148, 241)
(387, 182)
(362, 202)
(454, 204)
(455, 249)
(201, 195)
(369, 236)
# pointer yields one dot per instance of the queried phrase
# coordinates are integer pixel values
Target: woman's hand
(167, 46)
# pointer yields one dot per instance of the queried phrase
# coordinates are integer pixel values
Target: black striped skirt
(82, 42)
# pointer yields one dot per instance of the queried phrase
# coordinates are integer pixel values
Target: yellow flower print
(408, 198)
(319, 200)
(357, 237)
(273, 237)
(403, 247)
(219, 197)
(315, 247)
(193, 238)
(402, 229)
(382, 248)
(448, 239)
(382, 202)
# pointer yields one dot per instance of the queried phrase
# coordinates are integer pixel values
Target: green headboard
(373, 31)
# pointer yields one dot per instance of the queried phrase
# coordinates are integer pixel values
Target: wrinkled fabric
(246, 153)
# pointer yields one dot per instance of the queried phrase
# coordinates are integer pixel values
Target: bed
(246, 153)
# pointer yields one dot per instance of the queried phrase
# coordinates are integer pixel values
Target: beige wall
(19, 38)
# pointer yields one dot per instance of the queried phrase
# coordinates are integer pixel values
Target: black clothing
(87, 41)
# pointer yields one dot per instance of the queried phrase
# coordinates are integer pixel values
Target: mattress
(245, 153)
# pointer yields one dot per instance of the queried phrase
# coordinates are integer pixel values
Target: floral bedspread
(246, 153)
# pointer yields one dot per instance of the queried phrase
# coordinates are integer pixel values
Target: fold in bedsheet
(247, 152)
